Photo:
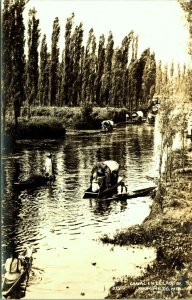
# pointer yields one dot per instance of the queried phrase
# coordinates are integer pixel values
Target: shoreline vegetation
(52, 122)
(168, 228)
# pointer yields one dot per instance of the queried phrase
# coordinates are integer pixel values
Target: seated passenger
(13, 266)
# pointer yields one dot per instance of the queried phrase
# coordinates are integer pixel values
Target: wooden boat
(16, 288)
(100, 194)
(120, 196)
(32, 182)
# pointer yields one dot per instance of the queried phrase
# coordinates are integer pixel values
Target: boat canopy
(112, 165)
(110, 122)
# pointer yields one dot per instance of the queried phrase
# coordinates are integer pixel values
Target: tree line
(99, 75)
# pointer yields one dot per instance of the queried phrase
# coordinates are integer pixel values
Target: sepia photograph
(96, 149)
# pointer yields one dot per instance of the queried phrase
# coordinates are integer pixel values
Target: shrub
(40, 127)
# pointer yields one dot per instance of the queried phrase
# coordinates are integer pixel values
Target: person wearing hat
(48, 167)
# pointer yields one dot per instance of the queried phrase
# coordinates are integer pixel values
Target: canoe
(124, 196)
(108, 192)
(32, 182)
(15, 289)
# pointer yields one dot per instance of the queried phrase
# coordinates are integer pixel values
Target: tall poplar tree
(148, 80)
(132, 85)
(89, 69)
(13, 58)
(106, 78)
(75, 50)
(116, 79)
(67, 61)
(33, 57)
(158, 81)
(125, 60)
(53, 88)
(44, 73)
(140, 70)
(99, 69)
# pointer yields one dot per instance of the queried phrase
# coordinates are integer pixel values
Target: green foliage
(85, 120)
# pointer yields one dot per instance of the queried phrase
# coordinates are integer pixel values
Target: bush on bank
(40, 127)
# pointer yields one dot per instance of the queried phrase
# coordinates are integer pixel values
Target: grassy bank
(86, 117)
(51, 122)
(169, 229)
(36, 128)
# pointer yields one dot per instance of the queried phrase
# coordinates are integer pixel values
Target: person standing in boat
(104, 174)
(48, 167)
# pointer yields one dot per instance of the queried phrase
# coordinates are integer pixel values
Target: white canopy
(108, 121)
(113, 165)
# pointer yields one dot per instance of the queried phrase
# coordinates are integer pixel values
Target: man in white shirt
(48, 166)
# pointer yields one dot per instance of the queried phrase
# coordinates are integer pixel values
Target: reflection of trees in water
(105, 207)
(102, 148)
(10, 207)
(141, 142)
(101, 207)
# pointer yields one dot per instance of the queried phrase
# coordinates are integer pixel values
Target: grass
(51, 122)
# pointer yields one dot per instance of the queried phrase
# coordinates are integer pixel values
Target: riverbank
(168, 228)
(53, 122)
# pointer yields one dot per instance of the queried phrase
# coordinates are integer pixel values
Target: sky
(160, 24)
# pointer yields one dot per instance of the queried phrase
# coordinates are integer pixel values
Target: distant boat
(136, 117)
(107, 125)
(151, 118)
(32, 182)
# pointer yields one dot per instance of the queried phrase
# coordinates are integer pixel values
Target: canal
(64, 229)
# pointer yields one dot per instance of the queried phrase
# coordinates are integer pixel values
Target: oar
(7, 292)
(145, 189)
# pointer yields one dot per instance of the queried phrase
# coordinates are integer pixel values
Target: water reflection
(56, 219)
(105, 207)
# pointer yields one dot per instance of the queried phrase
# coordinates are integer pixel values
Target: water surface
(63, 228)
